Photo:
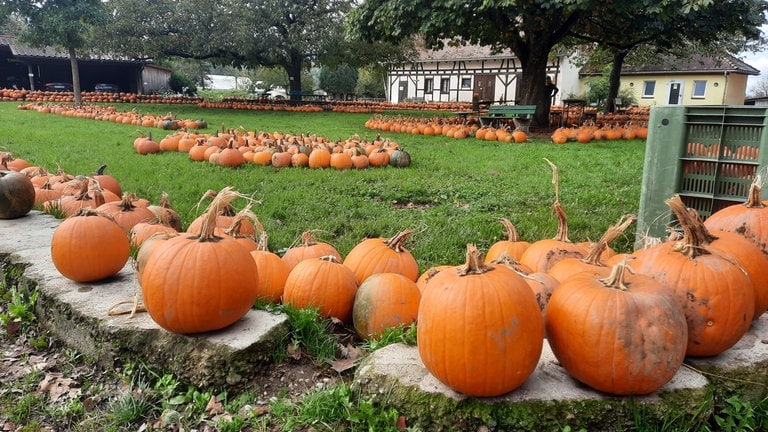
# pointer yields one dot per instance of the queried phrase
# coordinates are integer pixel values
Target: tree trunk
(533, 87)
(75, 76)
(614, 80)
(293, 69)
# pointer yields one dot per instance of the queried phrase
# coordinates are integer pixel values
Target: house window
(649, 87)
(445, 85)
(429, 85)
(466, 83)
(699, 89)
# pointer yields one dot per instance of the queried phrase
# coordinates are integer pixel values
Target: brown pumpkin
(384, 300)
(89, 246)
(619, 312)
(479, 331)
(17, 194)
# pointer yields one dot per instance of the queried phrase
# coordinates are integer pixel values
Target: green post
(665, 146)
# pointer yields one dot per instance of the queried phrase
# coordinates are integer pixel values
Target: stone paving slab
(78, 314)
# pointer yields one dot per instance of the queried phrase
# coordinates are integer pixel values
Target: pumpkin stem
(475, 263)
(330, 258)
(101, 169)
(263, 242)
(398, 240)
(562, 223)
(616, 278)
(221, 202)
(695, 235)
(509, 230)
(754, 196)
(509, 262)
(613, 232)
(555, 180)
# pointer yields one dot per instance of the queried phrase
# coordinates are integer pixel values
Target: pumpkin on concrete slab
(201, 282)
(17, 194)
(479, 329)
(89, 246)
(636, 322)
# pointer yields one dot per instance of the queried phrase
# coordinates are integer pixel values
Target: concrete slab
(551, 400)
(79, 315)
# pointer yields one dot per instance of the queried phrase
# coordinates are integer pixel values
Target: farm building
(23, 66)
(455, 73)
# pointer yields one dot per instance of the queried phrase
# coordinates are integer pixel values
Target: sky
(759, 61)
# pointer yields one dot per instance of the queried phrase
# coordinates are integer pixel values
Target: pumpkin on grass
(512, 246)
(324, 283)
(89, 246)
(273, 272)
(384, 300)
(309, 247)
(17, 194)
(479, 329)
(635, 321)
(199, 283)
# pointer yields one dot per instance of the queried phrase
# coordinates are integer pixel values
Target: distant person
(551, 90)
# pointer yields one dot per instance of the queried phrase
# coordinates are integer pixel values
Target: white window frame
(646, 83)
(696, 84)
(466, 83)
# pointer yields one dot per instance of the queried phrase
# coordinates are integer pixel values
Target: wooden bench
(521, 114)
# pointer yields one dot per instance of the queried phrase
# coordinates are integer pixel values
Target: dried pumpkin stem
(754, 198)
(397, 242)
(616, 278)
(562, 223)
(695, 235)
(611, 234)
(509, 230)
(474, 264)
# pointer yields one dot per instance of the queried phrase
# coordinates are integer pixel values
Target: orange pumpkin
(381, 255)
(384, 300)
(89, 246)
(479, 331)
(308, 247)
(200, 283)
(619, 312)
(512, 246)
(323, 283)
(273, 272)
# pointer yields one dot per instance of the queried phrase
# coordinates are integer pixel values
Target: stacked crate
(709, 155)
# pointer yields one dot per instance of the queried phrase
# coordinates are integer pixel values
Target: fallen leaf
(58, 387)
(342, 365)
(214, 407)
(401, 423)
(294, 351)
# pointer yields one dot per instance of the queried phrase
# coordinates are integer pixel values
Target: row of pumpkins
(234, 148)
(111, 114)
(480, 325)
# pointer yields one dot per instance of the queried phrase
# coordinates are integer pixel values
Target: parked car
(106, 88)
(58, 87)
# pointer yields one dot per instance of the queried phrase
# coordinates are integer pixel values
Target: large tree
(292, 35)
(66, 24)
(640, 30)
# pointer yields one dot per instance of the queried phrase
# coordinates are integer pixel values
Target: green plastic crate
(709, 155)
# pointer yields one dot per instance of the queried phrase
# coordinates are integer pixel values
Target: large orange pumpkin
(384, 300)
(479, 330)
(273, 272)
(716, 293)
(635, 321)
(89, 246)
(308, 247)
(381, 255)
(200, 283)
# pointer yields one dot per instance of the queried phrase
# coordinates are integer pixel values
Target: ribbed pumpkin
(308, 247)
(617, 332)
(125, 213)
(273, 272)
(541, 255)
(89, 246)
(324, 283)
(17, 195)
(512, 246)
(381, 255)
(384, 300)
(107, 181)
(716, 294)
(200, 283)
(479, 330)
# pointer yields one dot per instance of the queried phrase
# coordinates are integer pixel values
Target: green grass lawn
(454, 192)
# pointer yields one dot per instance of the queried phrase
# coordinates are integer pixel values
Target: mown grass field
(454, 192)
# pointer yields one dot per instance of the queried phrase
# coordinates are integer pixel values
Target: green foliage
(740, 415)
(17, 304)
(370, 83)
(182, 84)
(598, 88)
(399, 334)
(340, 81)
(311, 333)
